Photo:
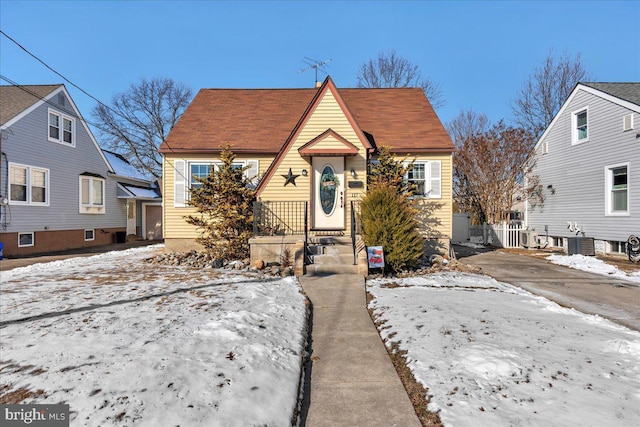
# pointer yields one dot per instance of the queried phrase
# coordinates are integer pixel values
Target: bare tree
(138, 120)
(391, 70)
(489, 169)
(462, 128)
(542, 95)
(467, 124)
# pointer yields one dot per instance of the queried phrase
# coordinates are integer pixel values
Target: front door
(328, 193)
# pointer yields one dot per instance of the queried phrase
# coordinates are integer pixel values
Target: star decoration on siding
(290, 178)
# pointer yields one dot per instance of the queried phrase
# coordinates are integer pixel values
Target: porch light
(304, 172)
(353, 173)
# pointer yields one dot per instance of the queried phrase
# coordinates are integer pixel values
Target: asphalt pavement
(615, 299)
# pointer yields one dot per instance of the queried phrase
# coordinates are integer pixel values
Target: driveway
(612, 298)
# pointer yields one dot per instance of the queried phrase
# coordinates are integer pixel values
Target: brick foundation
(55, 241)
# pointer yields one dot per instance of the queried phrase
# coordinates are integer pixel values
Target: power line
(80, 118)
(47, 101)
(80, 89)
(35, 95)
(99, 127)
(51, 68)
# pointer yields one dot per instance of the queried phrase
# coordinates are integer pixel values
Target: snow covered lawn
(593, 265)
(125, 342)
(493, 354)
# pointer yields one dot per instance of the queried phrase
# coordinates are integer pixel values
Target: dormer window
(62, 128)
(580, 126)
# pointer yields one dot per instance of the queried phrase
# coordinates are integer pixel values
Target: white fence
(503, 235)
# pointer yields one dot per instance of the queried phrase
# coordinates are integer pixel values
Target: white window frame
(216, 164)
(182, 176)
(429, 181)
(61, 119)
(29, 169)
(93, 234)
(190, 175)
(33, 239)
(91, 207)
(608, 171)
(574, 126)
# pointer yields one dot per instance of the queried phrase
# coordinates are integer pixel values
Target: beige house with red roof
(309, 151)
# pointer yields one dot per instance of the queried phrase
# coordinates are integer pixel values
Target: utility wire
(76, 86)
(58, 107)
(80, 89)
(24, 88)
(51, 68)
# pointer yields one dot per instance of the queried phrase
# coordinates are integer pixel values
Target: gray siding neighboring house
(588, 162)
(142, 196)
(56, 185)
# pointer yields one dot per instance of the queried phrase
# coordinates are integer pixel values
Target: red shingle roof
(261, 120)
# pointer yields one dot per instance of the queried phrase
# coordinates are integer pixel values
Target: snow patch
(593, 265)
(124, 342)
(492, 354)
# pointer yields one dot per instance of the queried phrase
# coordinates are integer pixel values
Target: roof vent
(627, 122)
(61, 99)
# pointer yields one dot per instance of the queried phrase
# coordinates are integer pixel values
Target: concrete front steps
(329, 255)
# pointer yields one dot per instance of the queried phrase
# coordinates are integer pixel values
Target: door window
(328, 185)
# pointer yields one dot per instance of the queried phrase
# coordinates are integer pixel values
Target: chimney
(318, 84)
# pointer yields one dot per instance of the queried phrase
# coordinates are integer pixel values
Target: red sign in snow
(375, 255)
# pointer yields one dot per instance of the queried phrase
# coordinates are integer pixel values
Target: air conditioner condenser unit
(529, 239)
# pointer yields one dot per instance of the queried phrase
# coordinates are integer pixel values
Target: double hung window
(61, 128)
(580, 126)
(29, 185)
(425, 178)
(617, 191)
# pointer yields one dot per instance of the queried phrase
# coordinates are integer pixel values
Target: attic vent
(61, 99)
(627, 122)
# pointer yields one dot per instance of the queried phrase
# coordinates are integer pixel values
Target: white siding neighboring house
(142, 196)
(57, 189)
(588, 162)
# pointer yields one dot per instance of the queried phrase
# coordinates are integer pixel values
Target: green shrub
(388, 219)
(224, 203)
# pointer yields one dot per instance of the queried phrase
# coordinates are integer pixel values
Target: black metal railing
(280, 219)
(355, 228)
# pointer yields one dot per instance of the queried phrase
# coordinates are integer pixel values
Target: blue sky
(479, 52)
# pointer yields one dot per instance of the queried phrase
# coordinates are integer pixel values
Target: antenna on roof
(315, 64)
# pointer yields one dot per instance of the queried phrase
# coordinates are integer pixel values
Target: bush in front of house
(224, 206)
(387, 215)
(387, 219)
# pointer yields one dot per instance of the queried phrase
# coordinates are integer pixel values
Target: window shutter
(627, 122)
(252, 172)
(180, 186)
(435, 180)
(405, 165)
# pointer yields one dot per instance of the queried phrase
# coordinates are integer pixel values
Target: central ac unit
(529, 239)
(581, 246)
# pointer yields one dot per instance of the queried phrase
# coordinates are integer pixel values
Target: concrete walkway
(352, 381)
(615, 299)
